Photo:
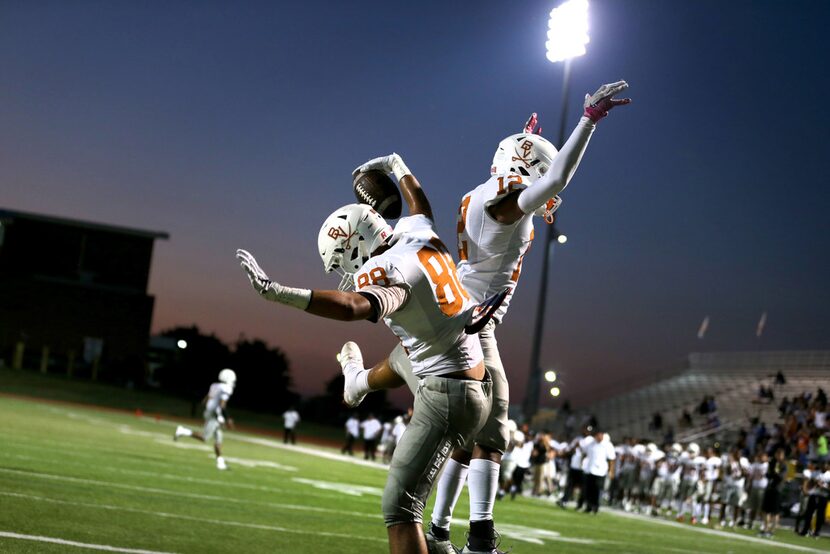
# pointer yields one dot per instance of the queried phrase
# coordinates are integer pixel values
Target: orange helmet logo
(337, 232)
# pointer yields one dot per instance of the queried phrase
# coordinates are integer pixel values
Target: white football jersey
(217, 393)
(713, 465)
(431, 323)
(693, 467)
(490, 253)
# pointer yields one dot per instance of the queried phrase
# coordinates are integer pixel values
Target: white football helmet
(526, 154)
(693, 448)
(348, 237)
(227, 376)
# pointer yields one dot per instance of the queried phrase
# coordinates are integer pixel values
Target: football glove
(392, 163)
(268, 289)
(598, 104)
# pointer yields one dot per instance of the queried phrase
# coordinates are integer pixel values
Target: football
(379, 191)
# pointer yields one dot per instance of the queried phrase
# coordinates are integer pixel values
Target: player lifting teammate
(407, 278)
(495, 228)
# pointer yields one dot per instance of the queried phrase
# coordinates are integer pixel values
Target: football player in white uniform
(407, 278)
(735, 470)
(691, 486)
(495, 229)
(215, 415)
(711, 476)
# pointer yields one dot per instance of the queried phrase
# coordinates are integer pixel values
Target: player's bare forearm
(415, 197)
(342, 306)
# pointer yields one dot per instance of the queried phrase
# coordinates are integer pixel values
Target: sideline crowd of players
(750, 484)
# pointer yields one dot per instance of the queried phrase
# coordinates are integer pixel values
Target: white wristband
(399, 168)
(290, 296)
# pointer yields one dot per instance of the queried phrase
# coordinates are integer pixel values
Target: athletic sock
(482, 535)
(439, 532)
(449, 489)
(706, 509)
(484, 484)
(362, 381)
(184, 431)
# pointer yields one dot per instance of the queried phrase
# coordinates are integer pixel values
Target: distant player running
(408, 279)
(215, 415)
(495, 229)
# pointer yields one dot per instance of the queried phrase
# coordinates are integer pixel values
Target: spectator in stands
(820, 416)
(771, 504)
(784, 407)
(290, 419)
(371, 431)
(703, 408)
(822, 454)
(713, 406)
(685, 420)
(780, 379)
(570, 424)
(656, 422)
(352, 434)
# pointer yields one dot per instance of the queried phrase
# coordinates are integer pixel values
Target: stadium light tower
(567, 37)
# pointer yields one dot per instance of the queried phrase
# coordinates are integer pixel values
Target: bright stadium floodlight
(554, 391)
(182, 344)
(550, 376)
(562, 239)
(568, 31)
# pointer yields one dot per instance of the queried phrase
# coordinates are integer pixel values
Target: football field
(76, 479)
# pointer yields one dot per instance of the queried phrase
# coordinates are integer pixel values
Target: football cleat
(466, 550)
(351, 363)
(492, 546)
(181, 431)
(220, 463)
(438, 546)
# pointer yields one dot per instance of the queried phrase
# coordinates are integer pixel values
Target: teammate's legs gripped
(447, 413)
(480, 460)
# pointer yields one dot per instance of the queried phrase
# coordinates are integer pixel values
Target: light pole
(567, 37)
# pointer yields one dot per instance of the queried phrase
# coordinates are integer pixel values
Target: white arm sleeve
(386, 300)
(561, 170)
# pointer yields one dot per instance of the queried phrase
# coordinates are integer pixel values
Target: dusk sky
(237, 124)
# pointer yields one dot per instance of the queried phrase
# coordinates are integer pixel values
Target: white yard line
(167, 515)
(715, 532)
(63, 542)
(166, 476)
(299, 507)
(312, 451)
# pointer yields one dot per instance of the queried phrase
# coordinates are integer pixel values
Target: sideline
(63, 542)
(715, 532)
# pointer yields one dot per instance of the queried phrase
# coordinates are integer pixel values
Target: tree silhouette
(264, 377)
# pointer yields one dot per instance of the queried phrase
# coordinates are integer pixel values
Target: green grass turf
(56, 386)
(115, 479)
